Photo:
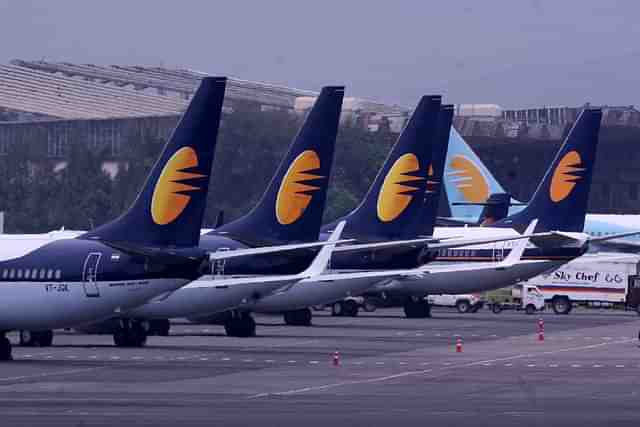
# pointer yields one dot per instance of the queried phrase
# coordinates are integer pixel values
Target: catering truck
(600, 279)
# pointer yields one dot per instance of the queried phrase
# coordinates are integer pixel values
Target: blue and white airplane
(469, 185)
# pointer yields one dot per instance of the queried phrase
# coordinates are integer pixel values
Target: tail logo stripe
(468, 179)
(170, 195)
(566, 176)
(295, 193)
(397, 192)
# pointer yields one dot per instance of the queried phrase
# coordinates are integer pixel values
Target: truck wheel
(496, 308)
(561, 305)
(530, 309)
(463, 306)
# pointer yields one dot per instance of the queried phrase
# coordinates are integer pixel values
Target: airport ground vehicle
(601, 279)
(464, 303)
(522, 297)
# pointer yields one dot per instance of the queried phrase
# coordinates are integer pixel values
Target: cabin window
(5, 273)
(27, 273)
(12, 273)
(49, 274)
(58, 274)
(34, 273)
(42, 273)
(19, 273)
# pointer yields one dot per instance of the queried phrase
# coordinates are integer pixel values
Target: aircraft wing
(271, 249)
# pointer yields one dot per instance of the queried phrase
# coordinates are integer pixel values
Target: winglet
(321, 262)
(519, 246)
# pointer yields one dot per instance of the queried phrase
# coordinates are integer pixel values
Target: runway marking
(269, 361)
(425, 363)
(247, 360)
(426, 371)
(137, 358)
(291, 361)
(553, 365)
(115, 357)
(204, 359)
(531, 365)
(508, 365)
(51, 374)
(575, 365)
(313, 362)
(619, 366)
(379, 363)
(597, 366)
(225, 359)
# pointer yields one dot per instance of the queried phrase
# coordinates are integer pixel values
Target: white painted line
(204, 359)
(508, 365)
(137, 358)
(619, 366)
(206, 331)
(180, 358)
(403, 363)
(597, 366)
(49, 357)
(425, 363)
(291, 361)
(93, 356)
(115, 357)
(379, 363)
(447, 363)
(576, 365)
(313, 362)
(247, 360)
(607, 338)
(426, 371)
(531, 365)
(225, 359)
(51, 374)
(27, 356)
(493, 336)
(419, 334)
(553, 365)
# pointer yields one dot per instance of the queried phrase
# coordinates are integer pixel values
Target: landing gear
(240, 324)
(130, 333)
(348, 308)
(417, 309)
(159, 327)
(36, 338)
(5, 348)
(300, 317)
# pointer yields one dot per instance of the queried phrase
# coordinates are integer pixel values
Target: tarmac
(390, 370)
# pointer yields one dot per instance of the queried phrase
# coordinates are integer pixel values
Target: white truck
(521, 297)
(464, 303)
(600, 279)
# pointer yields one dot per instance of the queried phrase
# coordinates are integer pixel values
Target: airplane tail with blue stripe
(169, 210)
(436, 171)
(292, 206)
(560, 201)
(394, 201)
(468, 181)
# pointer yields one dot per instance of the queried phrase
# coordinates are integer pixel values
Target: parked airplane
(555, 249)
(475, 197)
(50, 283)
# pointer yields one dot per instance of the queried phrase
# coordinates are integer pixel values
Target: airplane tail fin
(170, 207)
(394, 200)
(436, 171)
(560, 201)
(292, 206)
(467, 180)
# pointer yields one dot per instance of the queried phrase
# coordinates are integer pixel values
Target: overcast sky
(509, 52)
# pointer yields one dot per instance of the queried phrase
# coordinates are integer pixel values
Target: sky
(515, 53)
